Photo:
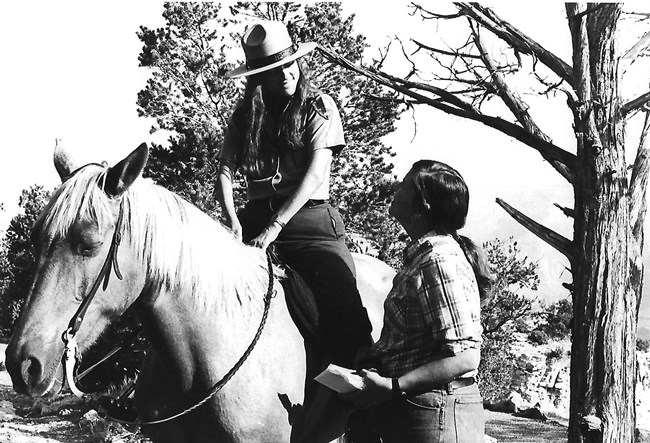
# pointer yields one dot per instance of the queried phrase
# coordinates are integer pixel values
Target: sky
(70, 71)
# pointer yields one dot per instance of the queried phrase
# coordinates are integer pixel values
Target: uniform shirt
(282, 169)
(433, 309)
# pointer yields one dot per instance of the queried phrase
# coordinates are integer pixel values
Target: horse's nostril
(31, 371)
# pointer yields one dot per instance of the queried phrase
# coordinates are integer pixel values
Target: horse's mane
(183, 249)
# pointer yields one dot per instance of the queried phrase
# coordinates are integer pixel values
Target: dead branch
(643, 44)
(570, 213)
(562, 244)
(515, 38)
(635, 104)
(563, 161)
(443, 52)
(518, 108)
(639, 180)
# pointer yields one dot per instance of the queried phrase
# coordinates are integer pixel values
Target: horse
(199, 291)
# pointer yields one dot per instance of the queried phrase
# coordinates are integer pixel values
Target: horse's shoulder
(373, 268)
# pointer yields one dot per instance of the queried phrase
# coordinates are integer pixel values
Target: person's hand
(267, 236)
(236, 229)
(376, 389)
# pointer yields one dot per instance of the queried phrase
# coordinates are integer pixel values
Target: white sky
(70, 71)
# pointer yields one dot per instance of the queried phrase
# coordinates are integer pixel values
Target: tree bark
(604, 331)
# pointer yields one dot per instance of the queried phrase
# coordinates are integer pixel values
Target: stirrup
(117, 409)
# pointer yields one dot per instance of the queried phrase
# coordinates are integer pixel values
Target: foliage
(642, 345)
(507, 304)
(538, 337)
(555, 353)
(557, 319)
(505, 311)
(17, 258)
(189, 95)
(497, 366)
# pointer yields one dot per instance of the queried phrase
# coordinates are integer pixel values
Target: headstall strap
(68, 337)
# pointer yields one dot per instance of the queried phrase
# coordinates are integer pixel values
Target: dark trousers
(312, 244)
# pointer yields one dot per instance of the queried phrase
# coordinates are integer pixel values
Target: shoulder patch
(322, 104)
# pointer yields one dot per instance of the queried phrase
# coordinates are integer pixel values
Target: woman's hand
(236, 229)
(376, 389)
(267, 236)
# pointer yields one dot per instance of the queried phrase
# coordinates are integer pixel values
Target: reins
(68, 337)
(226, 378)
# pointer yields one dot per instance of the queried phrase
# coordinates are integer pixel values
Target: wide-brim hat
(268, 45)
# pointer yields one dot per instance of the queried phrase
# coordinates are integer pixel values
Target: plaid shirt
(433, 309)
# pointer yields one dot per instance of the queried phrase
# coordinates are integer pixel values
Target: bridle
(110, 264)
(68, 337)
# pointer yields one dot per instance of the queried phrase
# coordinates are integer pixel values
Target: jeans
(432, 417)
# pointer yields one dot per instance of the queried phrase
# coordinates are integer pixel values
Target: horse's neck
(198, 342)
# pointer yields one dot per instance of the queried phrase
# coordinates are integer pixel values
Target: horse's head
(72, 239)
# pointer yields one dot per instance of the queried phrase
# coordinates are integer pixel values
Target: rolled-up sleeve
(448, 305)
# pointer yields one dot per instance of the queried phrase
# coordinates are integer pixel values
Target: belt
(274, 203)
(457, 384)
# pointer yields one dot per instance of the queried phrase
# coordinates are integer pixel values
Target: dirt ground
(70, 420)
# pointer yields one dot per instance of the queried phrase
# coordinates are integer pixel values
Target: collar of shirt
(420, 246)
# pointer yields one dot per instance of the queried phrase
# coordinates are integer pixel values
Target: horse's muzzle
(30, 376)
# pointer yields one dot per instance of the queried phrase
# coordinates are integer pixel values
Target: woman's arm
(425, 378)
(316, 172)
(227, 201)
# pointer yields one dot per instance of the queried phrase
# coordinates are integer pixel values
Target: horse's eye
(89, 249)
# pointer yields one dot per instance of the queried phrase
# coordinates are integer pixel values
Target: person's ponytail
(477, 258)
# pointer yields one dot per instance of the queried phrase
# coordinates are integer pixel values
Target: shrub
(642, 345)
(555, 353)
(497, 367)
(538, 337)
(559, 316)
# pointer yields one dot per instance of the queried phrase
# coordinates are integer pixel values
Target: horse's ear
(63, 161)
(123, 174)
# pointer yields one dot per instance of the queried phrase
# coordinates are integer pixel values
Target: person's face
(283, 80)
(402, 205)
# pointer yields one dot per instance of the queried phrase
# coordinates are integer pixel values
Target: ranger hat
(268, 45)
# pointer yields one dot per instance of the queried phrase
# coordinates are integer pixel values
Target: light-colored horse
(200, 294)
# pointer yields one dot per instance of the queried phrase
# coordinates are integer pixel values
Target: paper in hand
(341, 380)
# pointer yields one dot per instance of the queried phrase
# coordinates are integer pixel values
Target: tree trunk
(604, 330)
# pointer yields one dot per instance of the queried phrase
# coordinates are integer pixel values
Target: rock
(533, 413)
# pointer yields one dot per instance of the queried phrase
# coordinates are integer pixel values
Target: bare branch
(563, 161)
(639, 180)
(511, 100)
(442, 51)
(635, 104)
(515, 38)
(570, 213)
(562, 244)
(640, 46)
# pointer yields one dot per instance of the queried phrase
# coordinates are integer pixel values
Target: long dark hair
(443, 198)
(252, 109)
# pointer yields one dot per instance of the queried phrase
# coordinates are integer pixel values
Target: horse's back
(374, 280)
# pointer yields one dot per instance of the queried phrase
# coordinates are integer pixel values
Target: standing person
(422, 387)
(283, 135)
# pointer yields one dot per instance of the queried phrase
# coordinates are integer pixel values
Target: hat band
(273, 58)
